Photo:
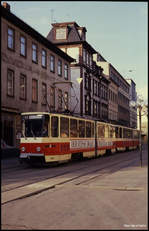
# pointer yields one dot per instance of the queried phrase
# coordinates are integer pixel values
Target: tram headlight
(38, 149)
(23, 149)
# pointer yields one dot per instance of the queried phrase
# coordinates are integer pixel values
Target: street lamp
(139, 106)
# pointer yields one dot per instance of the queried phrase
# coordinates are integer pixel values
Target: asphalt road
(104, 193)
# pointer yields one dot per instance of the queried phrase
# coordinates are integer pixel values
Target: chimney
(6, 6)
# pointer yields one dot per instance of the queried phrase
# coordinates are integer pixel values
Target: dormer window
(61, 33)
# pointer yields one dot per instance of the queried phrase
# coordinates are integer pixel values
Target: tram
(51, 137)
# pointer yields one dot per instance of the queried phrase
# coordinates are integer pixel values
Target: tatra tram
(51, 137)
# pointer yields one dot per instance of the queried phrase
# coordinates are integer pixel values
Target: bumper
(28, 155)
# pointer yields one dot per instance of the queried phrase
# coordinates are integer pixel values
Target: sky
(117, 30)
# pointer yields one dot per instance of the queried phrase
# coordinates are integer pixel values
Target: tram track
(61, 171)
(76, 177)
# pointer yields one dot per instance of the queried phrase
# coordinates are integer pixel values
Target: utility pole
(140, 138)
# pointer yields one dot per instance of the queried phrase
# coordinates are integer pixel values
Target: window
(59, 67)
(66, 71)
(101, 131)
(64, 127)
(81, 128)
(66, 100)
(11, 38)
(23, 46)
(73, 128)
(54, 126)
(10, 82)
(34, 53)
(61, 33)
(87, 105)
(44, 93)
(94, 108)
(92, 129)
(52, 63)
(44, 58)
(95, 87)
(87, 82)
(22, 87)
(59, 99)
(88, 129)
(34, 90)
(117, 132)
(111, 132)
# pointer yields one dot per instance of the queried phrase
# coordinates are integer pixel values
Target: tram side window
(106, 131)
(81, 128)
(135, 134)
(130, 133)
(117, 135)
(93, 130)
(54, 126)
(112, 131)
(120, 133)
(101, 131)
(73, 128)
(64, 127)
(88, 129)
(127, 133)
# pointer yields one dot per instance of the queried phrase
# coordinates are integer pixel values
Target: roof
(33, 33)
(85, 44)
(67, 24)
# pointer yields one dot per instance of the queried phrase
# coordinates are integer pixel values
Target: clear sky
(118, 30)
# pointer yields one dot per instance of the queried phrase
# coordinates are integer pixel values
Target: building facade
(35, 74)
(89, 93)
(118, 93)
(133, 103)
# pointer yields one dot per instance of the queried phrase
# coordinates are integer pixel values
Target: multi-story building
(118, 92)
(133, 103)
(89, 83)
(35, 74)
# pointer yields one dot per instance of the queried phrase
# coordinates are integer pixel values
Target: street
(109, 192)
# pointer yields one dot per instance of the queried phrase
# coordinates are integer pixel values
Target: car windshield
(35, 125)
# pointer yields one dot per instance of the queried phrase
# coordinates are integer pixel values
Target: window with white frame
(52, 63)
(44, 58)
(66, 71)
(11, 39)
(23, 46)
(34, 53)
(59, 67)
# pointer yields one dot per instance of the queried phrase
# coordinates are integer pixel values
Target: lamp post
(140, 139)
(140, 106)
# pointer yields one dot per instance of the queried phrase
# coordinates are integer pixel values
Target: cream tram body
(51, 137)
